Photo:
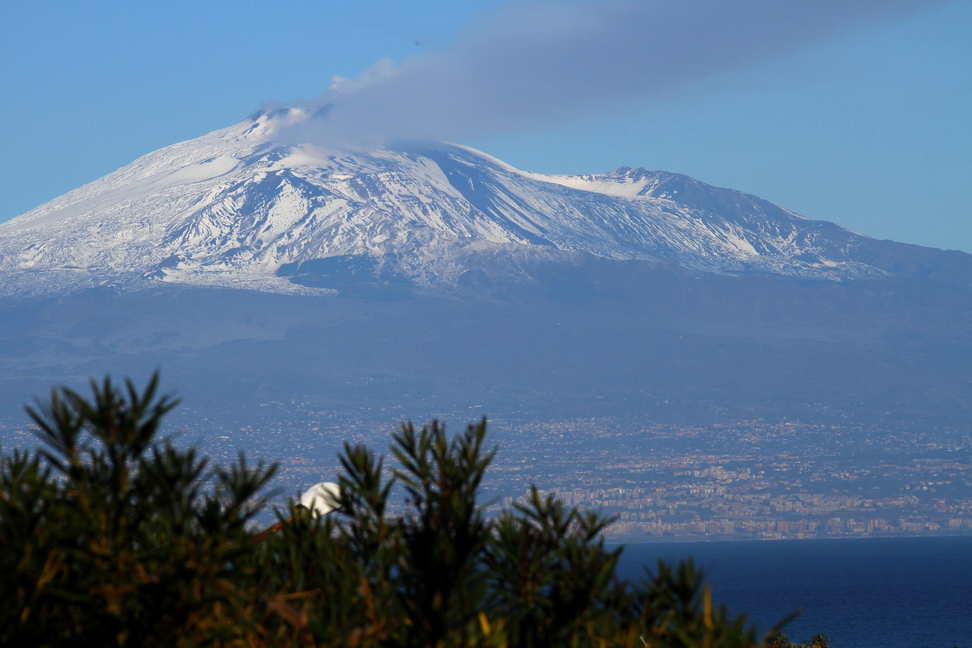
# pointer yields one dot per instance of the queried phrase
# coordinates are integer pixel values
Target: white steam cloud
(529, 62)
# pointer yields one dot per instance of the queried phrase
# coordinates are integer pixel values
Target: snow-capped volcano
(236, 208)
(598, 294)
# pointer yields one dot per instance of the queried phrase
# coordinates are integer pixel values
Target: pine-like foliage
(110, 536)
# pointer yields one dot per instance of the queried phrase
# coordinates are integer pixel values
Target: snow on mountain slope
(232, 207)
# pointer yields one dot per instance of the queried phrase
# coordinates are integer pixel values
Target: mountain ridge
(233, 207)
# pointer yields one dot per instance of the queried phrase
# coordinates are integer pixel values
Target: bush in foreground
(111, 536)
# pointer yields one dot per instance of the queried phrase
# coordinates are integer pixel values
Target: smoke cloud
(529, 62)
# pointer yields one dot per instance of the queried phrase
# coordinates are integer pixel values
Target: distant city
(740, 480)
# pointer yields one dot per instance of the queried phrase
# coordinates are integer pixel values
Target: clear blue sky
(870, 127)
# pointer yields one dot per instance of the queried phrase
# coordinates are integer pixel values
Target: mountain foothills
(432, 275)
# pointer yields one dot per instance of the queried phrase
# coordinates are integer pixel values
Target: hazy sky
(854, 111)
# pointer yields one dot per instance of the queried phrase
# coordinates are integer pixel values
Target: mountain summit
(237, 209)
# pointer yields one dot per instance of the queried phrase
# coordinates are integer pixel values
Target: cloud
(528, 62)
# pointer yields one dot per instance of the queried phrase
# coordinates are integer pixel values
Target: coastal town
(800, 488)
(744, 480)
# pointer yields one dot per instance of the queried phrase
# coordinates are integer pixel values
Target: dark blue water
(862, 593)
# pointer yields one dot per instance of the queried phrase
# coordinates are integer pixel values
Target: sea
(860, 593)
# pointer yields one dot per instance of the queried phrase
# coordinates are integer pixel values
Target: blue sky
(868, 124)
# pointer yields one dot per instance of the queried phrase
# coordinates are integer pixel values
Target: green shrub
(112, 537)
(780, 640)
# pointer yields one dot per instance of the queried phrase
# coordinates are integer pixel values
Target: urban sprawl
(745, 480)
